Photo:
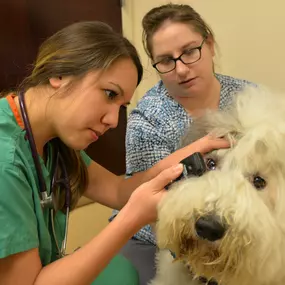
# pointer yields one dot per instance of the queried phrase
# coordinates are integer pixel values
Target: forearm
(83, 266)
(115, 191)
(127, 186)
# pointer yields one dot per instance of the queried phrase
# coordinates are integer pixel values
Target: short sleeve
(146, 143)
(18, 221)
(87, 160)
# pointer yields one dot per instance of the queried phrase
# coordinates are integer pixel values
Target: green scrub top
(23, 223)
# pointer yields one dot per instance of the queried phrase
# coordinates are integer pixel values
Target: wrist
(130, 218)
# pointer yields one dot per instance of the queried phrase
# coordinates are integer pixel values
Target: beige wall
(250, 35)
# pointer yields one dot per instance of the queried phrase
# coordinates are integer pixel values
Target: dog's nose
(210, 227)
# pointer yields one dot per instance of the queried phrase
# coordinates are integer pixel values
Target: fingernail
(178, 167)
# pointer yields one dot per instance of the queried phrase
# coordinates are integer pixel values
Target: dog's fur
(252, 251)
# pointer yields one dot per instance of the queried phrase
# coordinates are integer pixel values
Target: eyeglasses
(189, 56)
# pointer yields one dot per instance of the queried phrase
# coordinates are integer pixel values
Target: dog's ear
(219, 123)
(247, 108)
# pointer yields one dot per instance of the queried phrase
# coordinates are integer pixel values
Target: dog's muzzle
(210, 227)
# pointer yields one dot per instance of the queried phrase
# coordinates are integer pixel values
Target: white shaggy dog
(228, 226)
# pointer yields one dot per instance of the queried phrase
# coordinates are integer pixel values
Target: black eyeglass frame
(199, 48)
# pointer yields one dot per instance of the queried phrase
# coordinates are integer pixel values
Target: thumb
(166, 176)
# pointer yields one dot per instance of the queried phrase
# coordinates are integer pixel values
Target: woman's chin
(78, 144)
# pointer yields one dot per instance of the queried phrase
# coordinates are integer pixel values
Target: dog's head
(229, 224)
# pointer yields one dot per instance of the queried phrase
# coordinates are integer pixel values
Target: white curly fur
(252, 251)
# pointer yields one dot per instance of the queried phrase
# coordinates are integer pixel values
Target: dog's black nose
(210, 227)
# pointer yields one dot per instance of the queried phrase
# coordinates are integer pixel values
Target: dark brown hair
(74, 51)
(178, 13)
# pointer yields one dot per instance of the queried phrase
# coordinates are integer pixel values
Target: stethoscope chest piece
(48, 201)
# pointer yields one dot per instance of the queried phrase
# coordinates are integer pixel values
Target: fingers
(212, 143)
(220, 143)
(166, 176)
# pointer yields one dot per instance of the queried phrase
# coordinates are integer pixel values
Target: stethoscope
(47, 200)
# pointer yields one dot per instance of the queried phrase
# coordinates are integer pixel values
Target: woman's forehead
(174, 36)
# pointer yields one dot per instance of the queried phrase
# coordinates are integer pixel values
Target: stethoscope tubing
(45, 199)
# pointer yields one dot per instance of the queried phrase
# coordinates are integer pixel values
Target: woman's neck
(36, 101)
(196, 105)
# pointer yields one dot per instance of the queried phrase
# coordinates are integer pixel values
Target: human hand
(144, 200)
(209, 143)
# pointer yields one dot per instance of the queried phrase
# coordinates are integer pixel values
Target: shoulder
(152, 101)
(15, 157)
(15, 154)
(156, 108)
(12, 141)
(16, 191)
(230, 87)
(232, 83)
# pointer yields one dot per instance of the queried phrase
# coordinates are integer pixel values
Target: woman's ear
(211, 43)
(57, 82)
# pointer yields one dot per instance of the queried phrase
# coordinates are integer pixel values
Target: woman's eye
(211, 164)
(111, 94)
(166, 60)
(190, 51)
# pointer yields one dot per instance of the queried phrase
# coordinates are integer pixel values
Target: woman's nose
(112, 118)
(181, 68)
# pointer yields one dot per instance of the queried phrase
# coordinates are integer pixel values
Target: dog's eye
(258, 182)
(211, 164)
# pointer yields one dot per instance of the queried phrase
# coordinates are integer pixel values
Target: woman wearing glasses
(71, 98)
(181, 47)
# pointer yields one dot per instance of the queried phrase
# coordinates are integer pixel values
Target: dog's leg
(171, 273)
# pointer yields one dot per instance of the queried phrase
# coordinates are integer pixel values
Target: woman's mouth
(187, 83)
(95, 135)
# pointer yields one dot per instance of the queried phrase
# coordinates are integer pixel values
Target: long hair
(74, 51)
